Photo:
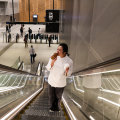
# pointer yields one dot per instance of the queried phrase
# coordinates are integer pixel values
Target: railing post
(13, 10)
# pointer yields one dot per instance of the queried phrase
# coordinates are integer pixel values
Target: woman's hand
(53, 61)
(66, 71)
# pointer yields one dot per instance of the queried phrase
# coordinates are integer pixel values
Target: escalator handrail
(10, 69)
(18, 108)
(37, 68)
(16, 62)
(99, 65)
(20, 65)
(41, 68)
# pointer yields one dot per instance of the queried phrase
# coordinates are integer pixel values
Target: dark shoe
(57, 109)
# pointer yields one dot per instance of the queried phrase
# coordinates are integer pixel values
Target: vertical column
(49, 4)
(53, 4)
(29, 9)
(13, 9)
(62, 5)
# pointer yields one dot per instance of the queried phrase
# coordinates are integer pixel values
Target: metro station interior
(90, 28)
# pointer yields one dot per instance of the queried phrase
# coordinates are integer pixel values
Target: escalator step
(44, 113)
(44, 104)
(42, 101)
(39, 108)
(29, 117)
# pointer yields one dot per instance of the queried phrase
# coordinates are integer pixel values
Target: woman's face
(60, 51)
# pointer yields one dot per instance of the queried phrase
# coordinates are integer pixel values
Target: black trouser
(32, 58)
(55, 95)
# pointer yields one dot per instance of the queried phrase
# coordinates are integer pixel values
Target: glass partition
(96, 96)
(17, 63)
(15, 88)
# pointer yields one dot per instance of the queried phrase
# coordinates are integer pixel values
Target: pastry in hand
(54, 56)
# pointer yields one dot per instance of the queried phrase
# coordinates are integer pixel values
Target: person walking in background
(32, 52)
(60, 66)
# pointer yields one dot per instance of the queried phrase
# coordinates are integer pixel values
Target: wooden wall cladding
(38, 7)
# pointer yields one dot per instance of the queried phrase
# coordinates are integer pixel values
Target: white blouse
(57, 76)
(32, 51)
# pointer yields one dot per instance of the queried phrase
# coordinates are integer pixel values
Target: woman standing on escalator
(60, 66)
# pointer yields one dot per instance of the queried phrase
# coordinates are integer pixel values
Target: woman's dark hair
(65, 47)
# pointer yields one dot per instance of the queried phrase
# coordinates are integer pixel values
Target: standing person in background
(49, 40)
(39, 33)
(9, 26)
(6, 28)
(9, 30)
(21, 30)
(60, 66)
(9, 37)
(30, 32)
(32, 52)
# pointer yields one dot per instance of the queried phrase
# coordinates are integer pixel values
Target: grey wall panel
(92, 28)
(67, 19)
(78, 52)
(85, 18)
(75, 17)
(105, 30)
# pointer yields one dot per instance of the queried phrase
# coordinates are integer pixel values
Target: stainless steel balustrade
(17, 63)
(94, 96)
(16, 87)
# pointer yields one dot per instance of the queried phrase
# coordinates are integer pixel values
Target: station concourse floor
(43, 52)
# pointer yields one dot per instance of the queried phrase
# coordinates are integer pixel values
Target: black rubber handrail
(37, 68)
(20, 65)
(41, 69)
(100, 65)
(10, 69)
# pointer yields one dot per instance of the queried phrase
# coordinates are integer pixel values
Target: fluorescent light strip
(16, 109)
(76, 103)
(91, 118)
(69, 110)
(110, 91)
(116, 104)
(81, 107)
(8, 89)
(118, 70)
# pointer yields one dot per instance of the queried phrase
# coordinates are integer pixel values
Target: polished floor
(12, 53)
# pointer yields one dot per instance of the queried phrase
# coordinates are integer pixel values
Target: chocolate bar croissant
(54, 56)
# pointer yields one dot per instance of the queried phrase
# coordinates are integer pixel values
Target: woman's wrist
(52, 63)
